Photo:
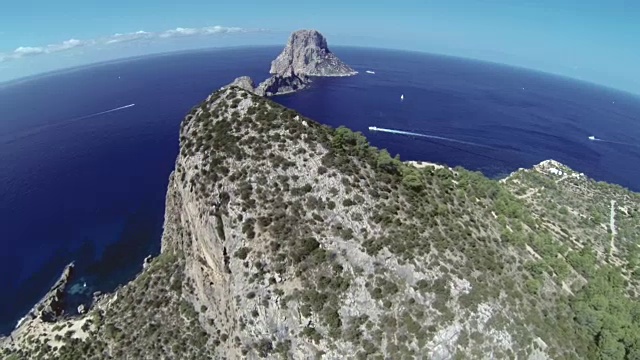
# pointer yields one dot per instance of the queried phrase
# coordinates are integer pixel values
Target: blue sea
(76, 185)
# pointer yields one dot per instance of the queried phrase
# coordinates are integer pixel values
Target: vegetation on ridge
(360, 255)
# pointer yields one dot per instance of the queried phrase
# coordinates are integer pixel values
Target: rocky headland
(287, 239)
(52, 305)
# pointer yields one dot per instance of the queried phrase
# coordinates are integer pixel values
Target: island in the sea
(285, 238)
(305, 56)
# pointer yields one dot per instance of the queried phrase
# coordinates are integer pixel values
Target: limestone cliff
(284, 238)
(244, 82)
(278, 85)
(306, 55)
(52, 305)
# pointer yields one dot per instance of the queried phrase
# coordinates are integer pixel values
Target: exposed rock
(51, 307)
(244, 82)
(284, 238)
(277, 85)
(147, 261)
(306, 55)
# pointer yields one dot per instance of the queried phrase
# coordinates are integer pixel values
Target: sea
(83, 172)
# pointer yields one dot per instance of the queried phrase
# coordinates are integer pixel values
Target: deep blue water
(92, 189)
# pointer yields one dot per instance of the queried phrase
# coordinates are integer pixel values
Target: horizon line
(63, 70)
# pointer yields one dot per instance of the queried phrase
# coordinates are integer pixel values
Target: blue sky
(592, 40)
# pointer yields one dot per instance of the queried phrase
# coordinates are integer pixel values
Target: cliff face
(307, 53)
(302, 240)
(285, 241)
(244, 82)
(278, 85)
(284, 238)
(305, 56)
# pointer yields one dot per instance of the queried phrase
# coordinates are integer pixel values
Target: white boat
(373, 128)
(592, 137)
(402, 97)
(370, 72)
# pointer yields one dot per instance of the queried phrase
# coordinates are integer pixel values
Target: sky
(591, 40)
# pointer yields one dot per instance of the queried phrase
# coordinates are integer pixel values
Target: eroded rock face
(253, 273)
(51, 307)
(274, 247)
(277, 85)
(244, 82)
(307, 53)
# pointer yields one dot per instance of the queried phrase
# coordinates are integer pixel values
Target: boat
(370, 72)
(592, 137)
(402, 97)
(373, 128)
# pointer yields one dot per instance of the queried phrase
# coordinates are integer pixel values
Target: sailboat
(402, 97)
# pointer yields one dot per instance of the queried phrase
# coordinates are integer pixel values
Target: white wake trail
(409, 133)
(7, 138)
(101, 113)
(593, 138)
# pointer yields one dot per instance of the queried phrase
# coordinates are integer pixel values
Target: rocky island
(305, 56)
(287, 239)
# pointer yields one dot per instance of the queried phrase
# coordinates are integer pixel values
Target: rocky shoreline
(51, 308)
(52, 305)
(541, 166)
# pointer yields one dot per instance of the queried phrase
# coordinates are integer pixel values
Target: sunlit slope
(285, 238)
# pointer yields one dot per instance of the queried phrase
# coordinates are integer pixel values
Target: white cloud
(220, 29)
(23, 51)
(28, 51)
(179, 32)
(66, 45)
(202, 31)
(118, 38)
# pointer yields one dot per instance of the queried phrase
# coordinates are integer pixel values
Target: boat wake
(102, 112)
(409, 133)
(8, 138)
(593, 138)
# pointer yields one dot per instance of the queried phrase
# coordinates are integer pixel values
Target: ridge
(285, 238)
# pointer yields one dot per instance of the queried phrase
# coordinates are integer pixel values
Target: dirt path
(562, 178)
(529, 194)
(534, 191)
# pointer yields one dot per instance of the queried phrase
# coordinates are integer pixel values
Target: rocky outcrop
(51, 307)
(284, 238)
(307, 53)
(277, 85)
(244, 82)
(273, 248)
(147, 262)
